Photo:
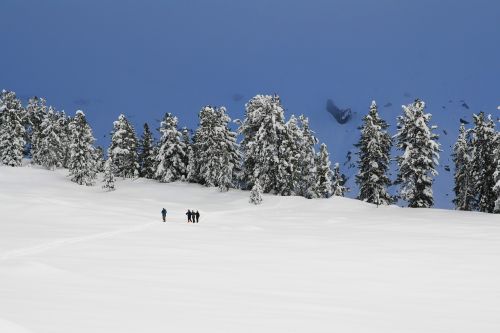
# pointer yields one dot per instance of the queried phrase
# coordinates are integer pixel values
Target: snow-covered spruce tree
(171, 152)
(256, 193)
(192, 171)
(63, 122)
(35, 113)
(109, 175)
(307, 160)
(147, 157)
(483, 163)
(12, 131)
(496, 188)
(289, 172)
(338, 182)
(374, 148)
(462, 156)
(49, 150)
(82, 166)
(263, 131)
(186, 138)
(324, 174)
(206, 147)
(229, 153)
(193, 167)
(215, 152)
(420, 154)
(99, 159)
(123, 149)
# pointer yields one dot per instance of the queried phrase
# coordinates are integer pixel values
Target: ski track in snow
(14, 254)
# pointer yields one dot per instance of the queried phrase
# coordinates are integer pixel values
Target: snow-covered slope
(76, 259)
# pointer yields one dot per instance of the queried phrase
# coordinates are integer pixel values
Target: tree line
(274, 155)
(476, 156)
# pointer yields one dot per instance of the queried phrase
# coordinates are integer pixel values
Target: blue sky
(145, 58)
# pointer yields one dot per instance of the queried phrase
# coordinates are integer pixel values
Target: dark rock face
(341, 115)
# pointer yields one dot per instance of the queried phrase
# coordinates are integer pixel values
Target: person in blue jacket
(164, 214)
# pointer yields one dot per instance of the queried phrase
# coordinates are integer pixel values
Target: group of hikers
(192, 216)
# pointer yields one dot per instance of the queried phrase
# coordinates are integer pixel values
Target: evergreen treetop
(171, 152)
(263, 131)
(123, 149)
(12, 130)
(147, 158)
(420, 154)
(483, 163)
(374, 147)
(82, 165)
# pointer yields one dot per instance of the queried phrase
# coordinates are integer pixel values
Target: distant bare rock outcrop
(341, 115)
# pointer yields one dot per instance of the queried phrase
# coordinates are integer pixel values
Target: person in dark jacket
(197, 215)
(189, 214)
(164, 214)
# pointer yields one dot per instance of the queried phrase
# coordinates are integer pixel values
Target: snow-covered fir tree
(171, 152)
(12, 130)
(99, 158)
(462, 156)
(483, 163)
(191, 168)
(215, 152)
(256, 193)
(186, 138)
(123, 149)
(374, 148)
(35, 113)
(496, 188)
(229, 153)
(49, 150)
(324, 174)
(420, 154)
(338, 182)
(147, 157)
(82, 166)
(289, 171)
(109, 175)
(263, 131)
(186, 135)
(206, 147)
(64, 121)
(307, 160)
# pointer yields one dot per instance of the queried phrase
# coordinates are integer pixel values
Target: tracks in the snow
(13, 254)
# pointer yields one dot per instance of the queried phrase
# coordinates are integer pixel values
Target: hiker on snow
(164, 214)
(197, 215)
(189, 214)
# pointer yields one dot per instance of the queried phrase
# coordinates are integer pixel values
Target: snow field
(77, 259)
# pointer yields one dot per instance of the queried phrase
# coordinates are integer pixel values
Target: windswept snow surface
(77, 259)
